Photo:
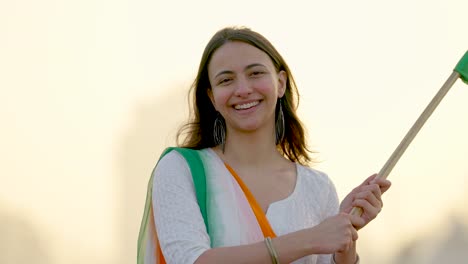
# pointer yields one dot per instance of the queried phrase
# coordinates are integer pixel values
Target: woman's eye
(224, 81)
(257, 73)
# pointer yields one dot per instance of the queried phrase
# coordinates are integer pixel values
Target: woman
(264, 204)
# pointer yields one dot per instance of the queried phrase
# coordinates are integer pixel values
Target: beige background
(92, 91)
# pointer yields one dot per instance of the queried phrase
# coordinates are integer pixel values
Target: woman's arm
(334, 234)
(179, 224)
(288, 248)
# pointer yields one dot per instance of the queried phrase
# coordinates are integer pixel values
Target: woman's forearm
(289, 247)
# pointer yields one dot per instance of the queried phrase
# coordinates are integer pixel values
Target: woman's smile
(245, 106)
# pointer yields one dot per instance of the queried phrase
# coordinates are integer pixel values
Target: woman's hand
(334, 234)
(368, 196)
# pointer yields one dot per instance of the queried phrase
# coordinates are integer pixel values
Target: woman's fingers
(357, 222)
(372, 194)
(376, 186)
(355, 235)
(368, 196)
(370, 202)
(384, 184)
(369, 212)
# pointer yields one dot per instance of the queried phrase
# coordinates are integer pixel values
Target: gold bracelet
(357, 259)
(272, 251)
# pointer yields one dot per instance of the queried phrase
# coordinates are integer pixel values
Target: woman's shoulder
(177, 156)
(314, 176)
(171, 167)
(170, 157)
(178, 159)
(172, 173)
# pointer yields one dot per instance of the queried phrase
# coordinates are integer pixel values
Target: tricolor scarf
(231, 213)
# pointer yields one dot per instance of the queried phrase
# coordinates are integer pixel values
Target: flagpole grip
(392, 161)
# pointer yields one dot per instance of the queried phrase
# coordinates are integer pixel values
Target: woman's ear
(209, 91)
(282, 80)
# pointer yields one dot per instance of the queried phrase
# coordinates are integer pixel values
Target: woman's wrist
(355, 262)
(346, 257)
(292, 246)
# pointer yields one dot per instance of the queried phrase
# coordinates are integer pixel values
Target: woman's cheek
(264, 85)
(221, 96)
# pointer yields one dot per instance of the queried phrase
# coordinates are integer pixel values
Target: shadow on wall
(20, 240)
(452, 248)
(153, 127)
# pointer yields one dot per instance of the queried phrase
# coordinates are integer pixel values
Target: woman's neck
(251, 150)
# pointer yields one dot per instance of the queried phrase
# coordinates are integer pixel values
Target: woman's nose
(243, 87)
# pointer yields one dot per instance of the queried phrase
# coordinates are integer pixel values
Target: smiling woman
(245, 89)
(198, 130)
(239, 189)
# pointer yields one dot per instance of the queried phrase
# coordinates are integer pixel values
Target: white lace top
(180, 225)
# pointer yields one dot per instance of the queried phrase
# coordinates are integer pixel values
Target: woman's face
(245, 87)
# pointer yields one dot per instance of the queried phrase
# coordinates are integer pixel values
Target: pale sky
(92, 92)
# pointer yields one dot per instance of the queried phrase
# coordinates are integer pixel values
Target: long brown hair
(198, 132)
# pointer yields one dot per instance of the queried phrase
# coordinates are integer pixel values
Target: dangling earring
(279, 124)
(219, 131)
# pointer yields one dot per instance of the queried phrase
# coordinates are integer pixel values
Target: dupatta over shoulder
(231, 213)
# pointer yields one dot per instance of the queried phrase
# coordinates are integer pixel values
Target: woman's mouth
(246, 105)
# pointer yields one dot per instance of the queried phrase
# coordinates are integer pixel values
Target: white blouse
(180, 225)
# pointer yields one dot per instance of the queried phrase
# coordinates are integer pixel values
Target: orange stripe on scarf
(259, 214)
(159, 257)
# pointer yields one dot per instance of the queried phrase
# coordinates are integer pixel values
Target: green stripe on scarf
(199, 179)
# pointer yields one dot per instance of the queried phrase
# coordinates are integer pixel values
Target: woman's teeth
(246, 106)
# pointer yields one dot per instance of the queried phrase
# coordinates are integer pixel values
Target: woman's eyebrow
(254, 65)
(223, 72)
(246, 68)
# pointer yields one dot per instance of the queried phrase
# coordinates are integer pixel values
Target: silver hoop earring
(219, 131)
(279, 124)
